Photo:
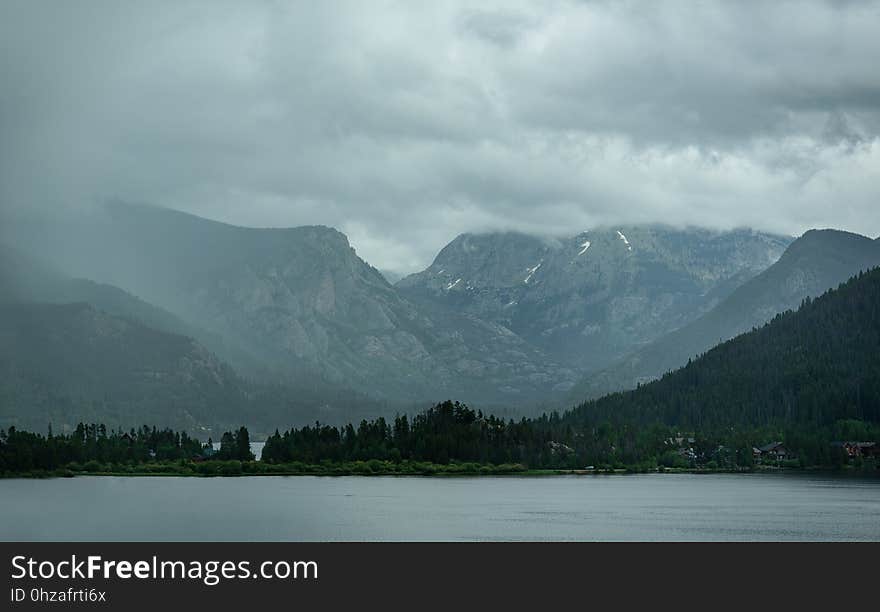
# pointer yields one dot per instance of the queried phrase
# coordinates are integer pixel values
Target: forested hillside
(60, 363)
(63, 363)
(813, 366)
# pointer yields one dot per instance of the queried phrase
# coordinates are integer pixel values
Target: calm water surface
(637, 507)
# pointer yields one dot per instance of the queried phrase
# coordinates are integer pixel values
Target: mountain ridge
(814, 263)
(605, 289)
(502, 319)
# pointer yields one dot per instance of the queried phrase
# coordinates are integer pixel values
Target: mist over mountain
(507, 321)
(502, 319)
(504, 237)
(300, 301)
(147, 367)
(24, 279)
(63, 363)
(814, 263)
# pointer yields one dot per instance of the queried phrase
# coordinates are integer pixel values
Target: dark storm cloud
(404, 123)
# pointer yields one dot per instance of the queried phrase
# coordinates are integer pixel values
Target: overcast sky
(406, 123)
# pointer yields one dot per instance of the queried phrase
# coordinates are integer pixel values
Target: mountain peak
(832, 234)
(608, 289)
(832, 243)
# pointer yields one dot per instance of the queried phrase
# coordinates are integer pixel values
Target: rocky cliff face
(814, 263)
(594, 297)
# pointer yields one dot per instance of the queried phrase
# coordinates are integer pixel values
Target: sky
(406, 123)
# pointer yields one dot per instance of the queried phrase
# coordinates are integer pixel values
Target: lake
(619, 507)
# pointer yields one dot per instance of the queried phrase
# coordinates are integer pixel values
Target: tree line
(449, 433)
(23, 451)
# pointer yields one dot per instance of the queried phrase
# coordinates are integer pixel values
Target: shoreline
(535, 473)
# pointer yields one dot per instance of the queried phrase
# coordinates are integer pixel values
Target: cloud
(405, 124)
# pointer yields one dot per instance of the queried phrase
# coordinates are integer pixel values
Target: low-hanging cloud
(404, 124)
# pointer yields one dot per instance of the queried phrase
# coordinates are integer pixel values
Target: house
(775, 451)
(558, 448)
(858, 449)
(681, 441)
(688, 454)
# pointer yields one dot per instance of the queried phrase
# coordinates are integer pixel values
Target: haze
(405, 124)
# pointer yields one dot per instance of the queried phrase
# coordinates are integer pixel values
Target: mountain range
(299, 303)
(592, 298)
(294, 317)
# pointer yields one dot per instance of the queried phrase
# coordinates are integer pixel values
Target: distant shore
(239, 469)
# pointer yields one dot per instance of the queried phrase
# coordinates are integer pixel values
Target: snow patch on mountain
(531, 272)
(585, 246)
